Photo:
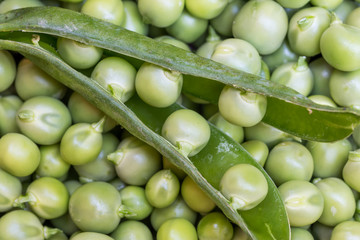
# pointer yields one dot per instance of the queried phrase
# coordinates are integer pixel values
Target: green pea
(205, 9)
(346, 230)
(8, 5)
(178, 228)
(132, 230)
(65, 223)
(234, 131)
(293, 4)
(157, 86)
(135, 161)
(51, 163)
(82, 143)
(238, 54)
(195, 197)
(173, 41)
(132, 19)
(162, 188)
(7, 68)
(43, 119)
(10, 189)
(135, 201)
(187, 130)
(322, 100)
(305, 29)
(31, 81)
(22, 224)
(178, 209)
(117, 76)
(161, 13)
(108, 10)
(329, 158)
(19, 155)
(83, 111)
(339, 202)
(58, 236)
(303, 201)
(262, 23)
(78, 55)
(72, 185)
(344, 10)
(267, 134)
(289, 161)
(214, 226)
(258, 150)
(321, 71)
(327, 4)
(8, 108)
(95, 207)
(321, 231)
(300, 234)
(340, 46)
(282, 55)
(244, 186)
(187, 27)
(240, 107)
(296, 75)
(344, 87)
(353, 18)
(351, 170)
(223, 22)
(91, 236)
(100, 169)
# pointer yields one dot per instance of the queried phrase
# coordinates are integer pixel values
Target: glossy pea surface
(51, 162)
(10, 189)
(108, 10)
(176, 229)
(135, 200)
(346, 230)
(132, 230)
(214, 226)
(7, 69)
(8, 108)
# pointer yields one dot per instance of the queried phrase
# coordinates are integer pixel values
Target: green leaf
(287, 109)
(267, 221)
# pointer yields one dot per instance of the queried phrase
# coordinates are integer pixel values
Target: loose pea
(187, 28)
(300, 234)
(58, 236)
(187, 130)
(132, 19)
(19, 155)
(354, 18)
(282, 55)
(292, 4)
(132, 230)
(339, 202)
(161, 13)
(346, 230)
(43, 119)
(178, 228)
(178, 209)
(117, 76)
(214, 226)
(344, 9)
(8, 108)
(303, 201)
(321, 231)
(10, 189)
(100, 169)
(65, 223)
(7, 67)
(296, 75)
(262, 23)
(329, 158)
(234, 131)
(305, 29)
(258, 150)
(91, 236)
(31, 81)
(321, 71)
(351, 170)
(327, 4)
(135, 201)
(289, 161)
(162, 188)
(95, 207)
(108, 10)
(204, 8)
(244, 186)
(195, 198)
(240, 107)
(135, 161)
(157, 86)
(51, 162)
(8, 5)
(77, 54)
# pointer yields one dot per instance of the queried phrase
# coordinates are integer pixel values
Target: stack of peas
(69, 172)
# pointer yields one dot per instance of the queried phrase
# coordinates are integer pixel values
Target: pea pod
(145, 122)
(318, 122)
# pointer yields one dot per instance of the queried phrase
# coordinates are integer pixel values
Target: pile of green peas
(69, 172)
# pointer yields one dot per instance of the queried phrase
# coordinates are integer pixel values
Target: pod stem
(99, 126)
(116, 156)
(117, 91)
(184, 148)
(49, 232)
(335, 19)
(21, 200)
(212, 35)
(237, 203)
(124, 211)
(301, 64)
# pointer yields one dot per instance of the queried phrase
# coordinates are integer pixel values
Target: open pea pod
(287, 109)
(266, 221)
